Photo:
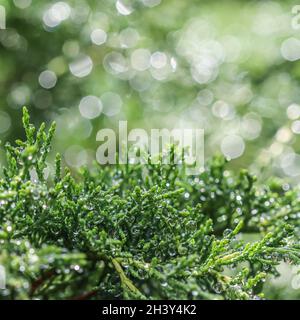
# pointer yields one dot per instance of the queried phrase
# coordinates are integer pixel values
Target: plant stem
(124, 279)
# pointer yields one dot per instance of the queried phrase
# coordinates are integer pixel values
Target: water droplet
(227, 232)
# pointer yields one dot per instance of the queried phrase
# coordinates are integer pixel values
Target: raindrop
(296, 126)
(158, 60)
(47, 79)
(5, 122)
(129, 38)
(22, 4)
(227, 232)
(293, 111)
(82, 66)
(217, 288)
(140, 59)
(123, 9)
(232, 146)
(151, 3)
(57, 13)
(115, 63)
(290, 49)
(98, 36)
(112, 103)
(90, 107)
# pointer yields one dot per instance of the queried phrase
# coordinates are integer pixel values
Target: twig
(39, 281)
(85, 296)
(125, 281)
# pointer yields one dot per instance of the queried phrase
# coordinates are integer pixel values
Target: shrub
(138, 231)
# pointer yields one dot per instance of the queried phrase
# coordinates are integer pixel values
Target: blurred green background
(230, 67)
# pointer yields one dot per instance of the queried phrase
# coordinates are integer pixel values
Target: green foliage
(138, 231)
